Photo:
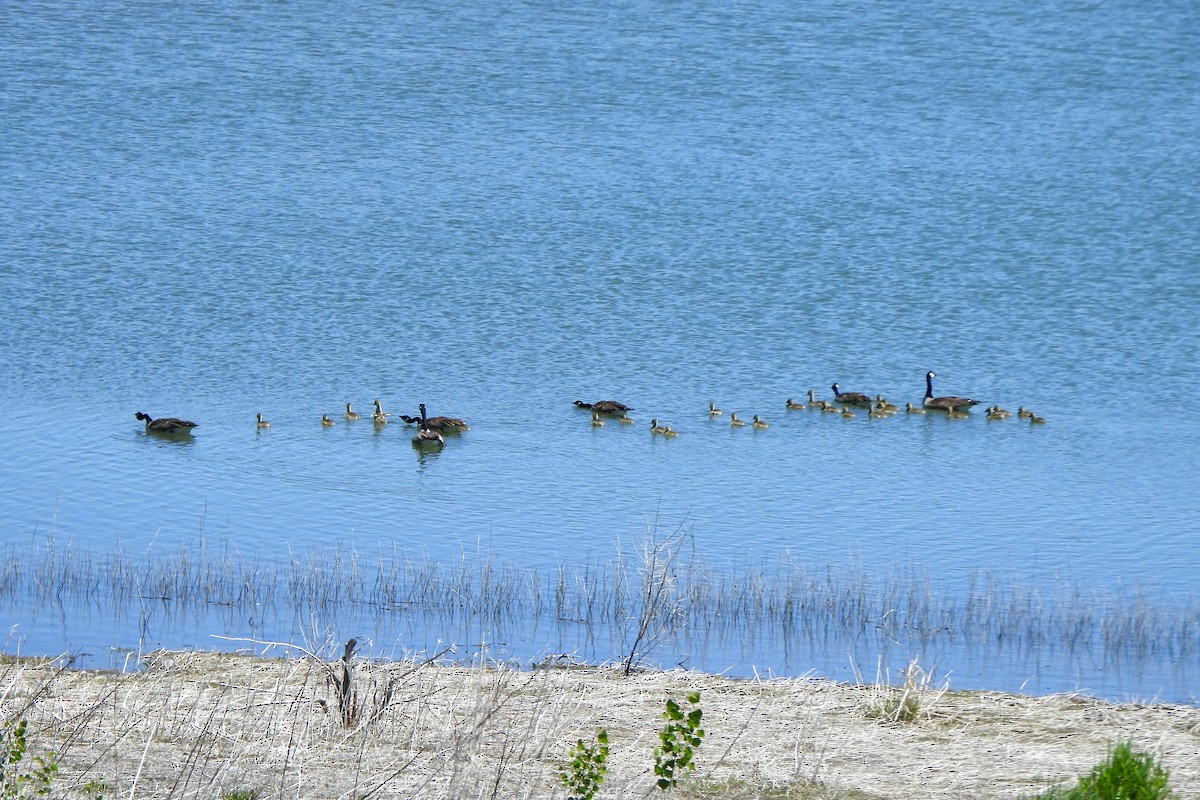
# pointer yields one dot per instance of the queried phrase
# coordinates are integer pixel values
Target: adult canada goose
(260, 422)
(851, 398)
(760, 424)
(609, 407)
(426, 438)
(655, 428)
(625, 418)
(948, 403)
(794, 406)
(445, 424)
(165, 424)
(438, 424)
(911, 409)
(734, 422)
(326, 421)
(713, 411)
(596, 421)
(351, 415)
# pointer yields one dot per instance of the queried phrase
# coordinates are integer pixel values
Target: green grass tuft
(1124, 775)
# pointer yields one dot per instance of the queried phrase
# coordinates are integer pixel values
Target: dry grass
(203, 725)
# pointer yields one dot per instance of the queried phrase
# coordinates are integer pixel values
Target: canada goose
(851, 398)
(995, 413)
(794, 406)
(828, 407)
(610, 407)
(734, 422)
(669, 431)
(713, 411)
(379, 417)
(407, 420)
(438, 424)
(351, 415)
(1023, 412)
(949, 403)
(813, 402)
(847, 413)
(625, 418)
(760, 424)
(1002, 412)
(596, 421)
(877, 413)
(953, 413)
(260, 422)
(445, 424)
(426, 438)
(165, 424)
(911, 409)
(1036, 420)
(326, 421)
(884, 405)
(655, 428)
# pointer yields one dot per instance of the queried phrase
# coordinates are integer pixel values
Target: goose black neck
(424, 426)
(835, 389)
(929, 384)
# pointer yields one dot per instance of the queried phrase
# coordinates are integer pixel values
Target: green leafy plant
(1124, 775)
(586, 772)
(679, 738)
(95, 789)
(18, 781)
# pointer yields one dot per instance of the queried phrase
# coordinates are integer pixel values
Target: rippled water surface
(499, 209)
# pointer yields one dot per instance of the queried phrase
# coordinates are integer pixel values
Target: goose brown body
(446, 424)
(611, 407)
(947, 403)
(851, 398)
(166, 424)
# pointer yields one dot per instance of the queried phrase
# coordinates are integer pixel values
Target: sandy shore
(205, 725)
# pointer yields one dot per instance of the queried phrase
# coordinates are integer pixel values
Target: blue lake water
(209, 213)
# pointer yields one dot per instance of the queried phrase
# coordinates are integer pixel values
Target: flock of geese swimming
(429, 433)
(431, 430)
(843, 404)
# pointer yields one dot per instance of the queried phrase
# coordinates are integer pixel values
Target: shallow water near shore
(498, 211)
